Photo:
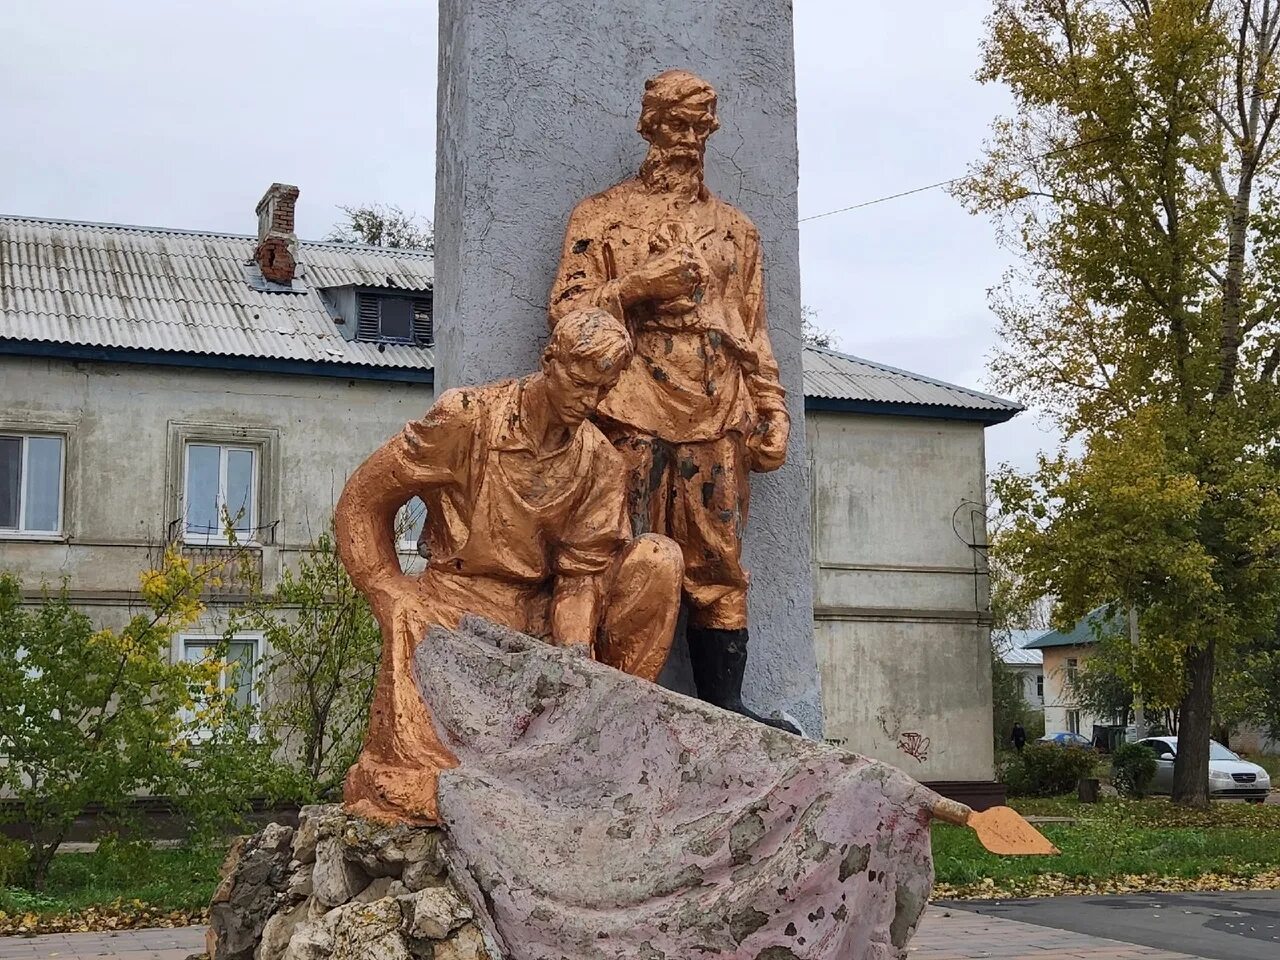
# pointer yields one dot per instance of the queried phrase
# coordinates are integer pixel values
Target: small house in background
(1064, 653)
(1067, 652)
(1026, 664)
(155, 381)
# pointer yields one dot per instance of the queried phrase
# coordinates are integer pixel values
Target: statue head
(588, 351)
(677, 115)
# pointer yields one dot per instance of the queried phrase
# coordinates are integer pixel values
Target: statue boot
(719, 660)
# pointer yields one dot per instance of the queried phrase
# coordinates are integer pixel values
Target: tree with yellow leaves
(1139, 183)
(92, 718)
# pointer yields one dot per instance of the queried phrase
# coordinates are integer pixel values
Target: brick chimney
(277, 252)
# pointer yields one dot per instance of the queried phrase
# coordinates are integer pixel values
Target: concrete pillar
(537, 109)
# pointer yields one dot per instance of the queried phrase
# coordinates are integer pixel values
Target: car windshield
(1218, 752)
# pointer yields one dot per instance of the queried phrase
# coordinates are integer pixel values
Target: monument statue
(527, 526)
(584, 812)
(700, 406)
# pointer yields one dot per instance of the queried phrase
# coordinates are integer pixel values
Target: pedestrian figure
(1019, 737)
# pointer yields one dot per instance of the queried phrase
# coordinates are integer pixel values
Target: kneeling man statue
(527, 525)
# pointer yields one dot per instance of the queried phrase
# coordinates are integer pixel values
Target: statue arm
(427, 453)
(764, 382)
(589, 275)
(583, 279)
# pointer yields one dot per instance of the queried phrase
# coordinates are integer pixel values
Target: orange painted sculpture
(700, 406)
(527, 526)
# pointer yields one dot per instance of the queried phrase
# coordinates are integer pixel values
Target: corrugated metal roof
(185, 291)
(145, 288)
(831, 375)
(1013, 652)
(1085, 630)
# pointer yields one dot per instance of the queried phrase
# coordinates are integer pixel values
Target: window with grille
(220, 493)
(237, 659)
(394, 319)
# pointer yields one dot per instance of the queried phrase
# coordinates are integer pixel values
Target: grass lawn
(115, 888)
(1119, 846)
(1113, 846)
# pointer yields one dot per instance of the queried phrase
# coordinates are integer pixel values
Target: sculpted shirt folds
(501, 509)
(696, 375)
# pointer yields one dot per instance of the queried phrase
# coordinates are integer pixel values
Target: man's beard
(673, 171)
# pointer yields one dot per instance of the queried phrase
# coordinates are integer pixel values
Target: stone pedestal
(537, 108)
(341, 888)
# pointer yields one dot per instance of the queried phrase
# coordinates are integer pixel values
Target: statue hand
(767, 444)
(675, 274)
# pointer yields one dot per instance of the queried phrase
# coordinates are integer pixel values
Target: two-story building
(154, 382)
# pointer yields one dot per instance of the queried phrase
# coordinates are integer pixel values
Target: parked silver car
(1229, 776)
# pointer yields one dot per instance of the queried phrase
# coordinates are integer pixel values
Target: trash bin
(1088, 790)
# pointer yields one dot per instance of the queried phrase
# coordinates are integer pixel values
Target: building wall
(1058, 702)
(1027, 675)
(125, 425)
(901, 611)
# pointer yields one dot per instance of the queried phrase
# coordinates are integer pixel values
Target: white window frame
(213, 639)
(221, 538)
(403, 543)
(20, 532)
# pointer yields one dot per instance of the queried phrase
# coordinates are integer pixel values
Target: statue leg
(394, 778)
(709, 515)
(641, 607)
(648, 462)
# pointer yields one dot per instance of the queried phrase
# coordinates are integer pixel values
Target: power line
(892, 196)
(947, 183)
(1208, 108)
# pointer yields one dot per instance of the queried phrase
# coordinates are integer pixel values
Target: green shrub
(1046, 770)
(1132, 768)
(13, 861)
(99, 716)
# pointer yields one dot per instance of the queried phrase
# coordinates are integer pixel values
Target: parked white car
(1229, 776)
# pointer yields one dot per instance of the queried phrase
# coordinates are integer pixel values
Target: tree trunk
(1233, 286)
(38, 869)
(1195, 720)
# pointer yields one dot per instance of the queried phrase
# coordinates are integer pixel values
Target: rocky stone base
(341, 888)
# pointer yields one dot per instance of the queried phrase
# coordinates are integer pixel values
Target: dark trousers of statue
(698, 494)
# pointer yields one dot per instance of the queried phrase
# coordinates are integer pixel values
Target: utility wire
(947, 183)
(1226, 104)
(892, 196)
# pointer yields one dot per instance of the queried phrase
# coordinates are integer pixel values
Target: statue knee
(653, 558)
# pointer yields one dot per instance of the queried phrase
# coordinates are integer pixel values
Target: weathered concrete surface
(900, 596)
(537, 108)
(597, 816)
(341, 888)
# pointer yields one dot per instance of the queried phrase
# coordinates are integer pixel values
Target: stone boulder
(595, 816)
(341, 888)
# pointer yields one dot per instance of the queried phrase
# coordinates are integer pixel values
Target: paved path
(946, 933)
(176, 944)
(1217, 926)
(1220, 925)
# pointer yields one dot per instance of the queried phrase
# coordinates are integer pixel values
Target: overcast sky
(179, 113)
